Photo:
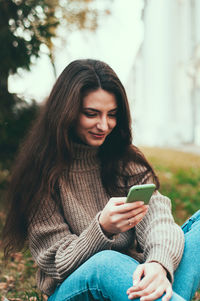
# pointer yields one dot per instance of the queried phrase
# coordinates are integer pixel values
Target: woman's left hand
(150, 283)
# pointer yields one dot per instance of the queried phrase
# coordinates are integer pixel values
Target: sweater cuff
(96, 239)
(111, 238)
(163, 257)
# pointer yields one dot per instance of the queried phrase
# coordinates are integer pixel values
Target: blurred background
(154, 47)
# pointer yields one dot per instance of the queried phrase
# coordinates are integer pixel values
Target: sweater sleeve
(160, 238)
(56, 250)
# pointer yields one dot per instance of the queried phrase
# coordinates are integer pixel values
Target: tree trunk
(6, 98)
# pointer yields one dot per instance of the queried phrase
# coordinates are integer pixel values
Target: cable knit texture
(61, 239)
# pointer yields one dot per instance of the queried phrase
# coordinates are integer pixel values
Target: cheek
(84, 123)
(112, 124)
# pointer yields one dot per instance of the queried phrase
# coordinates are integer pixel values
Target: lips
(100, 136)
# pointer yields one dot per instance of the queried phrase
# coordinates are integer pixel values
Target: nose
(102, 124)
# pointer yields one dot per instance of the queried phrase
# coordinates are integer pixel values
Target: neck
(84, 156)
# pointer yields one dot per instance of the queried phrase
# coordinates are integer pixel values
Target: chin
(95, 143)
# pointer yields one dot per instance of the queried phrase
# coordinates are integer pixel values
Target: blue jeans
(108, 274)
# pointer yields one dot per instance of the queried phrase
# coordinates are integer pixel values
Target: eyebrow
(95, 110)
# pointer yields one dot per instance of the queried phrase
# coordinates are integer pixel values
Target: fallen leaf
(20, 267)
(17, 256)
(4, 299)
(3, 285)
(15, 299)
(9, 278)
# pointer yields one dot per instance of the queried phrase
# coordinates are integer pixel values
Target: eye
(89, 114)
(113, 114)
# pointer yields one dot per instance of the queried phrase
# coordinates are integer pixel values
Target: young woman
(68, 192)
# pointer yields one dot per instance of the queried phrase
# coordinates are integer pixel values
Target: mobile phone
(140, 193)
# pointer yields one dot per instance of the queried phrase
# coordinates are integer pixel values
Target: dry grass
(172, 158)
(179, 175)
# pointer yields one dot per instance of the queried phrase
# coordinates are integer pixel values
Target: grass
(179, 174)
(17, 278)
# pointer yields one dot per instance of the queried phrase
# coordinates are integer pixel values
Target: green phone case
(140, 193)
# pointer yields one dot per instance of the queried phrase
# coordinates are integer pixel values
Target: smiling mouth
(97, 135)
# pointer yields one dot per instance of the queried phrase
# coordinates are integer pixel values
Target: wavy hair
(47, 150)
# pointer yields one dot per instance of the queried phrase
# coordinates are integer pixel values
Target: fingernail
(131, 296)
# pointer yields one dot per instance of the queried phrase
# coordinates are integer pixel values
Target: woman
(68, 192)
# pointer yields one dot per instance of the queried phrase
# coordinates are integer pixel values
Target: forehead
(100, 99)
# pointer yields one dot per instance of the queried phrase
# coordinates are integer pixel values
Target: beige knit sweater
(61, 239)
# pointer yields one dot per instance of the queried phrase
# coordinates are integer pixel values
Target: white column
(162, 107)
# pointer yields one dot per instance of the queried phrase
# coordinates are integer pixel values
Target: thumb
(137, 275)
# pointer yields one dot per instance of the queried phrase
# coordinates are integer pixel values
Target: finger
(136, 292)
(168, 294)
(153, 296)
(155, 293)
(118, 201)
(127, 207)
(137, 275)
(143, 287)
(125, 223)
(135, 220)
(134, 213)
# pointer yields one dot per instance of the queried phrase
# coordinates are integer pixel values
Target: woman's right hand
(118, 216)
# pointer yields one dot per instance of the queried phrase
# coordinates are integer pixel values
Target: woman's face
(97, 118)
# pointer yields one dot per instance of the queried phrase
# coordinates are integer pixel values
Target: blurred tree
(25, 25)
(14, 128)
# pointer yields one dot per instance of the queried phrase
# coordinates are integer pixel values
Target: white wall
(165, 102)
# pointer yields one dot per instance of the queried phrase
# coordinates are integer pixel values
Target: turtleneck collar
(85, 157)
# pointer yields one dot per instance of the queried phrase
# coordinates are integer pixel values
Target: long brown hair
(47, 150)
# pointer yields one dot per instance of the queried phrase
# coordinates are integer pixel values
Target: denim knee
(110, 263)
(105, 276)
(191, 222)
(109, 259)
(187, 275)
